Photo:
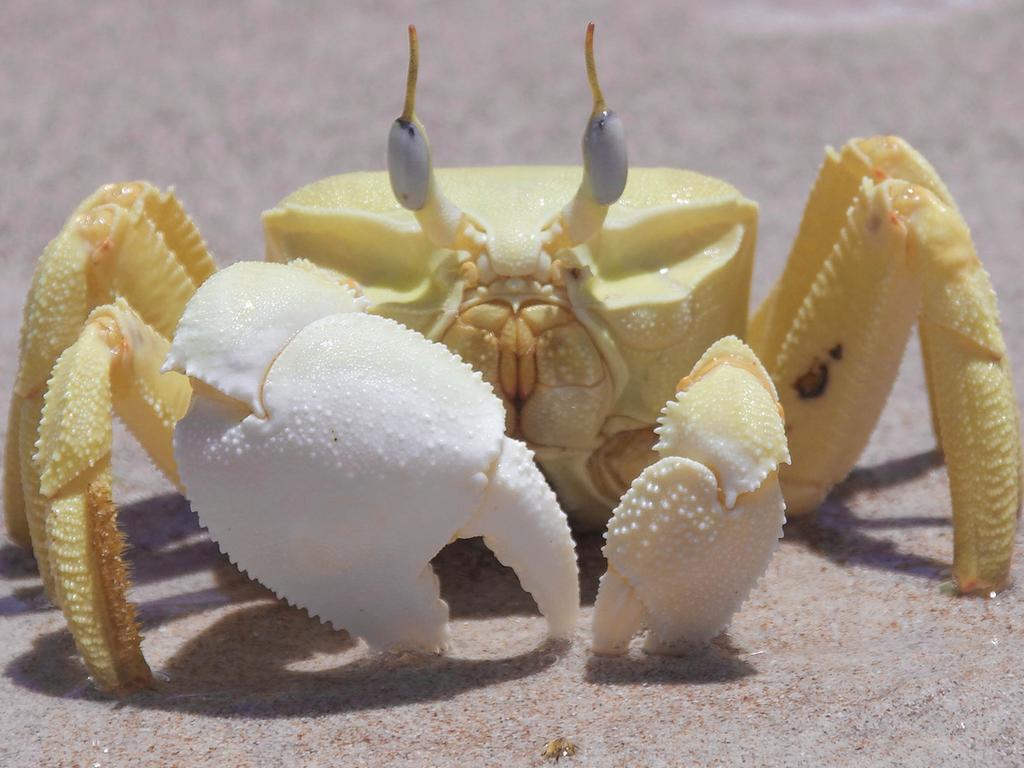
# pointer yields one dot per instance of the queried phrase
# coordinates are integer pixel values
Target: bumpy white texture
(377, 449)
(693, 533)
(721, 418)
(524, 526)
(242, 316)
(691, 562)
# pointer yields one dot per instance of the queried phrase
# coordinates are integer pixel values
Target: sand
(848, 653)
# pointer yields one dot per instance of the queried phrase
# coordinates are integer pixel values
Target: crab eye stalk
(604, 141)
(408, 151)
(409, 165)
(604, 157)
(605, 167)
(412, 174)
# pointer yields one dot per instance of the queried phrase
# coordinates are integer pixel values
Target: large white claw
(373, 449)
(698, 527)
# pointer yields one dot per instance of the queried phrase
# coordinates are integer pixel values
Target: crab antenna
(605, 168)
(595, 86)
(410, 81)
(412, 173)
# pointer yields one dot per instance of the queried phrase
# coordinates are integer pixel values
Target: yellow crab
(583, 318)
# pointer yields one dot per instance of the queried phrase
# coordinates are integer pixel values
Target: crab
(331, 438)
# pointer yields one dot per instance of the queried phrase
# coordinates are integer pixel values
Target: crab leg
(972, 394)
(57, 306)
(698, 527)
(523, 525)
(19, 499)
(128, 240)
(833, 331)
(116, 360)
(107, 294)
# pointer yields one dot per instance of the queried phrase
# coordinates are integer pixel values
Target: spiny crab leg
(115, 361)
(698, 527)
(125, 240)
(385, 447)
(834, 329)
(104, 301)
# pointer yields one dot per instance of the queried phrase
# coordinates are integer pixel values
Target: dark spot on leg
(812, 384)
(836, 353)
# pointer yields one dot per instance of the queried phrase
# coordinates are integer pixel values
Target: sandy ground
(848, 653)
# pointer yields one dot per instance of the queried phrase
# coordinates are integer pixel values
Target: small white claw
(726, 415)
(693, 533)
(618, 615)
(690, 562)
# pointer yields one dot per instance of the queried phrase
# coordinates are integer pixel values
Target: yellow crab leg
(148, 401)
(116, 360)
(126, 239)
(58, 303)
(840, 355)
(838, 182)
(825, 216)
(24, 506)
(92, 581)
(971, 388)
(833, 331)
(15, 514)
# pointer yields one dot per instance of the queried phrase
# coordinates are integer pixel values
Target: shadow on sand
(840, 536)
(718, 662)
(266, 659)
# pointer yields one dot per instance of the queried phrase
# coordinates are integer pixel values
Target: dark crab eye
(409, 164)
(604, 156)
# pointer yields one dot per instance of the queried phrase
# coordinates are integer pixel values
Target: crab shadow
(17, 564)
(268, 660)
(718, 662)
(836, 533)
(264, 658)
(165, 542)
